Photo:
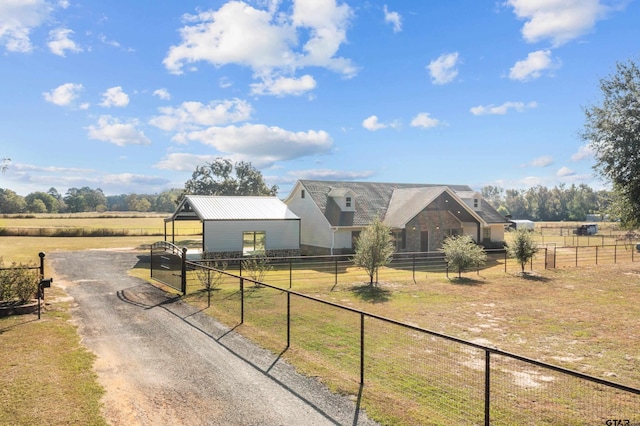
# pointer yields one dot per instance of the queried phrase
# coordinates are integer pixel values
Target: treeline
(86, 200)
(539, 203)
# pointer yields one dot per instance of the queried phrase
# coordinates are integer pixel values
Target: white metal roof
(212, 207)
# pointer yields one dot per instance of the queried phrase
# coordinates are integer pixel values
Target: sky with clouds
(131, 96)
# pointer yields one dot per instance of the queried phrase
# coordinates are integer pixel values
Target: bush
(18, 282)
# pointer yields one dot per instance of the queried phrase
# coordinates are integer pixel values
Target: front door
(424, 240)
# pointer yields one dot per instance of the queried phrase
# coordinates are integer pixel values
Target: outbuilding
(237, 226)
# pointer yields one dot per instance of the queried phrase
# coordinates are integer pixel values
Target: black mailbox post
(44, 283)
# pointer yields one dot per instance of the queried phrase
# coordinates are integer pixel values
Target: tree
(374, 248)
(612, 130)
(4, 164)
(221, 177)
(10, 202)
(461, 253)
(522, 247)
(49, 202)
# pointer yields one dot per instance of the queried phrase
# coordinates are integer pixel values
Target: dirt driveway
(163, 363)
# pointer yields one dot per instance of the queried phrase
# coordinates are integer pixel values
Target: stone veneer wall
(436, 222)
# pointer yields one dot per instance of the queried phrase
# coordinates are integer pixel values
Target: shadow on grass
(371, 293)
(465, 281)
(531, 276)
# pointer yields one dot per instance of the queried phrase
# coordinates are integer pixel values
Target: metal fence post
(290, 274)
(596, 255)
(505, 261)
(336, 271)
(361, 348)
(288, 319)
(615, 254)
(487, 388)
(241, 300)
(576, 255)
(41, 254)
(184, 271)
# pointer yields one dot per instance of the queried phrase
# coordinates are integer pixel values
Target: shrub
(18, 282)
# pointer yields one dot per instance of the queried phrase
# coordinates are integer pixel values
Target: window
(348, 201)
(302, 194)
(475, 203)
(253, 242)
(486, 233)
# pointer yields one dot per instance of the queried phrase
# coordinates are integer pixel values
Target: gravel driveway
(163, 363)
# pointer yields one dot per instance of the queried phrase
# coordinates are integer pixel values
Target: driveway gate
(168, 265)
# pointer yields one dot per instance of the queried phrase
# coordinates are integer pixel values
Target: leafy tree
(494, 195)
(612, 130)
(461, 253)
(85, 199)
(221, 177)
(10, 202)
(49, 202)
(167, 201)
(522, 247)
(374, 248)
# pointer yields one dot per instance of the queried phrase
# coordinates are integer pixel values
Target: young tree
(612, 130)
(221, 177)
(374, 248)
(461, 253)
(522, 248)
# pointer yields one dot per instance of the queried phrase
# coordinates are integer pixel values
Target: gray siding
(227, 235)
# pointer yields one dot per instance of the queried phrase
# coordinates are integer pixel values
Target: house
(240, 226)
(421, 216)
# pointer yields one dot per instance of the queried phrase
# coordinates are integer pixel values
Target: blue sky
(130, 96)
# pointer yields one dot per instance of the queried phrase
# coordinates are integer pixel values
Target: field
(586, 319)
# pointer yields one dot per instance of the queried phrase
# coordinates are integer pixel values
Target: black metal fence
(403, 373)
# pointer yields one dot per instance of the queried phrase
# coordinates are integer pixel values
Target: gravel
(163, 362)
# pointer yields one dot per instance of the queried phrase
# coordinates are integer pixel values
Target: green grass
(46, 375)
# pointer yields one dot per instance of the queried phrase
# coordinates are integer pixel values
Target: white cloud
(110, 129)
(284, 86)
(565, 171)
(544, 161)
(559, 20)
(271, 42)
(114, 96)
(394, 19)
(371, 123)
(424, 120)
(162, 94)
(584, 152)
(59, 42)
(502, 109)
(329, 174)
(533, 66)
(64, 95)
(443, 70)
(17, 19)
(195, 115)
(263, 145)
(183, 162)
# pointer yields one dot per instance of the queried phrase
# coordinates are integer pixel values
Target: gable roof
(216, 207)
(391, 202)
